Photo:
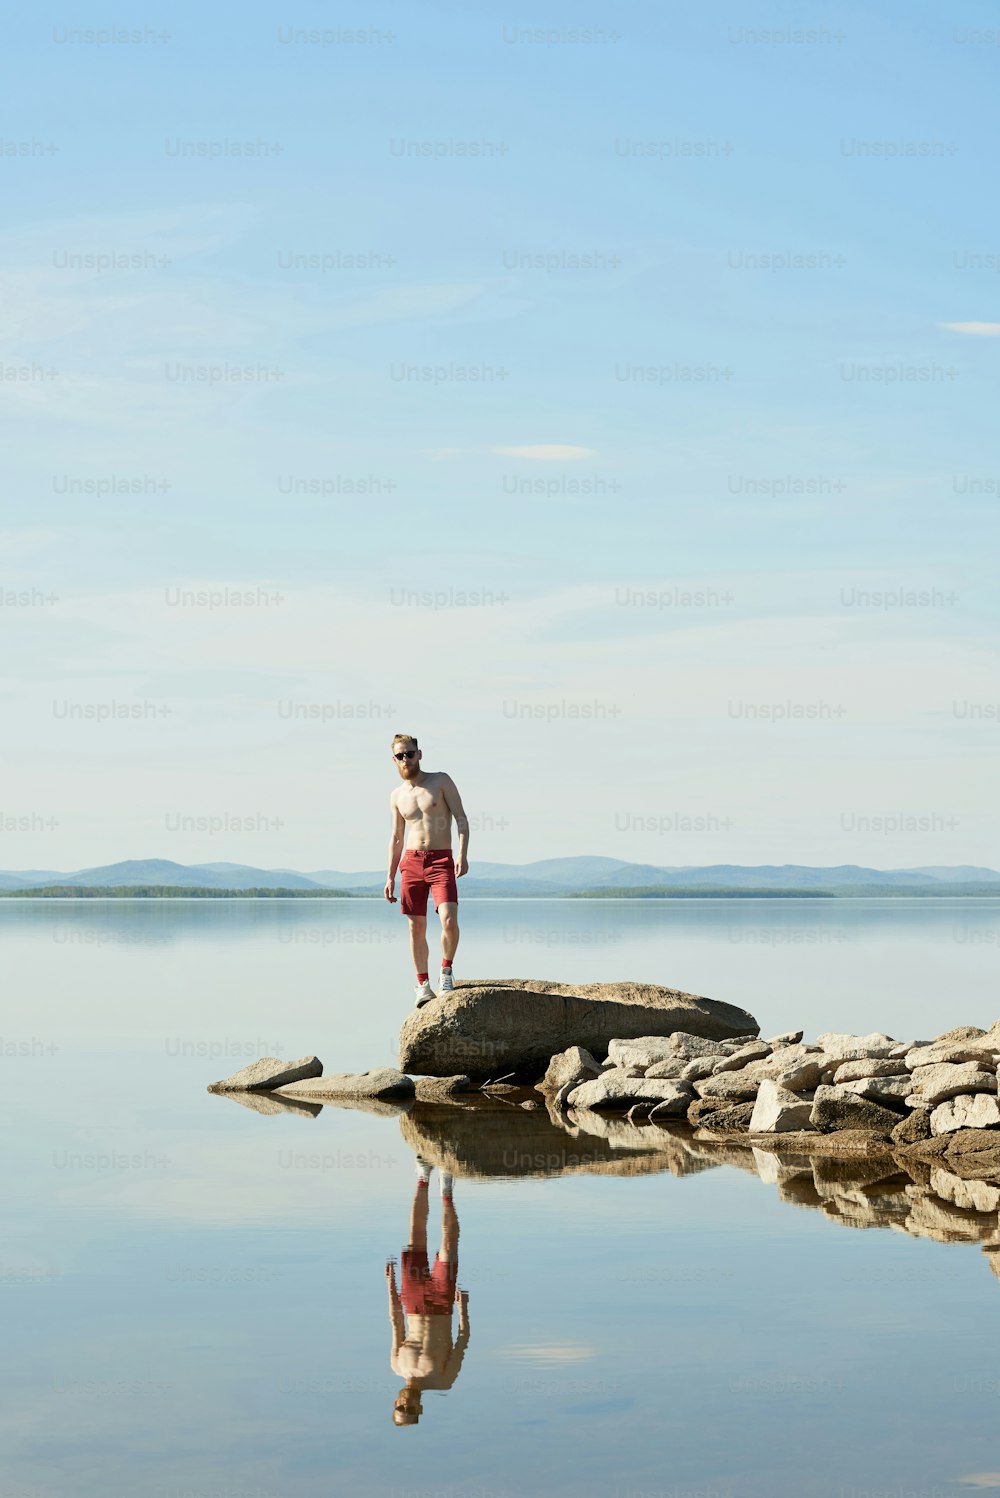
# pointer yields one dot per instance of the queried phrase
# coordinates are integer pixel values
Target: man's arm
(454, 804)
(453, 1364)
(396, 1318)
(396, 840)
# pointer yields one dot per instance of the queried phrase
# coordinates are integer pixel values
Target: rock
(935, 1084)
(787, 1037)
(738, 1059)
(674, 1107)
(960, 1032)
(676, 1066)
(970, 1196)
(922, 1149)
(982, 1165)
(573, 1065)
(614, 1089)
(858, 1145)
(978, 1111)
(650, 1050)
(794, 1062)
(697, 1070)
(487, 1028)
(268, 1074)
(383, 1082)
(801, 1076)
(732, 1086)
(836, 1108)
(965, 1141)
(951, 1051)
(531, 1103)
(727, 1119)
(778, 1111)
(437, 1089)
(916, 1125)
(859, 1071)
(785, 1055)
(893, 1092)
(856, 1047)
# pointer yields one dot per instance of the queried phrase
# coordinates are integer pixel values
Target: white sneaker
(424, 993)
(446, 983)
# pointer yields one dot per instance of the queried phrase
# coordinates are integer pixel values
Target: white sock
(447, 1186)
(424, 1170)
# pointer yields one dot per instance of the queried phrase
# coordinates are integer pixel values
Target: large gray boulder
(487, 1028)
(268, 1074)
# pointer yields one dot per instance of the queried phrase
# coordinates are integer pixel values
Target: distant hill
(153, 871)
(585, 875)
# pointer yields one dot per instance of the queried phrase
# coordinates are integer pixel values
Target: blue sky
(653, 497)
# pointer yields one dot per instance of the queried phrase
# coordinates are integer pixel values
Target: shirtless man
(425, 803)
(423, 1352)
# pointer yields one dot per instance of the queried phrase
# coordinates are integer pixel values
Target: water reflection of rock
(269, 1103)
(487, 1141)
(923, 1198)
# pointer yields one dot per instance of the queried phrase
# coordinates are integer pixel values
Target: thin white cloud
(544, 452)
(977, 329)
(552, 452)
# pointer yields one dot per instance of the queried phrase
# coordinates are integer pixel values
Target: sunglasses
(405, 754)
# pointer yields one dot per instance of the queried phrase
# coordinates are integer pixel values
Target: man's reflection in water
(423, 1353)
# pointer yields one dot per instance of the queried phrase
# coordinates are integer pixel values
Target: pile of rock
(905, 1090)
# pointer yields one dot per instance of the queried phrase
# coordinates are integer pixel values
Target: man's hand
(462, 1299)
(463, 868)
(388, 891)
(390, 1274)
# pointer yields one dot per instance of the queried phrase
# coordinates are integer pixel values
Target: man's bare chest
(417, 803)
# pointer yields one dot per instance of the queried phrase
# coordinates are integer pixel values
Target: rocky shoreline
(926, 1106)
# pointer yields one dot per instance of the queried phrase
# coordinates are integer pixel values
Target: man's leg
(449, 930)
(418, 1219)
(418, 941)
(448, 1251)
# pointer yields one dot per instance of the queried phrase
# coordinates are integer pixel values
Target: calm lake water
(194, 1293)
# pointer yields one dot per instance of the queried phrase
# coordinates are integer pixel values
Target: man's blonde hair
(405, 738)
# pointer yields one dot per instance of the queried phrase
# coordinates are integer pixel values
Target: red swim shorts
(423, 869)
(424, 1290)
